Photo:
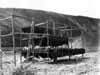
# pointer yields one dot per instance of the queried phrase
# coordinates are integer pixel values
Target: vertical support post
(47, 40)
(82, 45)
(30, 42)
(71, 35)
(13, 36)
(33, 38)
(55, 55)
(82, 41)
(68, 42)
(54, 28)
(71, 30)
(67, 34)
(61, 32)
(0, 50)
(21, 47)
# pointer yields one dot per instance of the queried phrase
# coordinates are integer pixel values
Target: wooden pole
(59, 27)
(82, 39)
(5, 18)
(48, 40)
(21, 47)
(33, 38)
(13, 36)
(21, 44)
(30, 42)
(61, 32)
(54, 28)
(23, 17)
(67, 33)
(0, 50)
(70, 29)
(82, 46)
(0, 41)
(6, 35)
(39, 24)
(82, 43)
(27, 18)
(71, 36)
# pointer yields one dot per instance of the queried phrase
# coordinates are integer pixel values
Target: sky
(90, 8)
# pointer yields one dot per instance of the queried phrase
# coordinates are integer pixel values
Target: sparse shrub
(23, 70)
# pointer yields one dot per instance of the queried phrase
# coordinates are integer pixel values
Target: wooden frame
(32, 33)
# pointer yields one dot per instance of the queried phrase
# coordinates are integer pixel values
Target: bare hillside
(90, 25)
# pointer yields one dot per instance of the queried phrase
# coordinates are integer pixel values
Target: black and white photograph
(49, 37)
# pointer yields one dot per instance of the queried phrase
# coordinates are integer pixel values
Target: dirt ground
(89, 65)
